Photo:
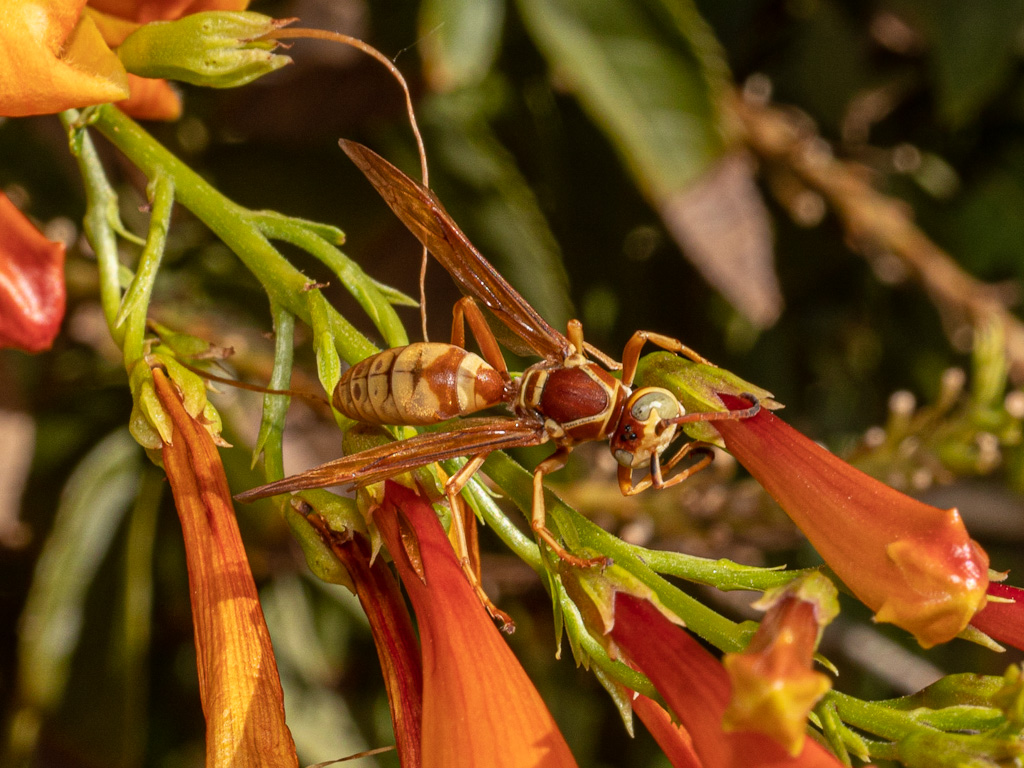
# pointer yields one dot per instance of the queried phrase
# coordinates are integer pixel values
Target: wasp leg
(631, 352)
(452, 489)
(466, 310)
(538, 517)
(656, 477)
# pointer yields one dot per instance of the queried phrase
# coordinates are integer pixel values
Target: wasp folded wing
(473, 437)
(424, 216)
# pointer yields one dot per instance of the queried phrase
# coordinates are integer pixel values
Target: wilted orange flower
(1003, 621)
(479, 706)
(911, 563)
(238, 681)
(31, 282)
(774, 686)
(696, 688)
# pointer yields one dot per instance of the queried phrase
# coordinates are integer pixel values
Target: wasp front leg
(655, 478)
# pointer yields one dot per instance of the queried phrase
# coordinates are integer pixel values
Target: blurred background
(825, 197)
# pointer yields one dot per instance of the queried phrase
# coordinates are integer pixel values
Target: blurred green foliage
(558, 133)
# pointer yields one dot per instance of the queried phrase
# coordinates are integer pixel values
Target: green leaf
(92, 507)
(973, 50)
(460, 40)
(637, 71)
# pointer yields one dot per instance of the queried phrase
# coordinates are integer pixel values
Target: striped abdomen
(420, 384)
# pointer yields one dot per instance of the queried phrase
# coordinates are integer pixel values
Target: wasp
(569, 397)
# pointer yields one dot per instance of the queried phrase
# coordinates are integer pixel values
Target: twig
(873, 219)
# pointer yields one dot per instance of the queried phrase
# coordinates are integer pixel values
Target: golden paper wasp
(566, 398)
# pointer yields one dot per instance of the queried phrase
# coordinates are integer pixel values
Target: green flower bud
(219, 49)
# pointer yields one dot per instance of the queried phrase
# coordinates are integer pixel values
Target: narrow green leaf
(93, 504)
(641, 80)
(459, 40)
(269, 441)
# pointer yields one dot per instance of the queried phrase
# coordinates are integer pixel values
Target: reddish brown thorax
(584, 400)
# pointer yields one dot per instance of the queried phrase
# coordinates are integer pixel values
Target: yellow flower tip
(774, 706)
(773, 685)
(53, 59)
(945, 587)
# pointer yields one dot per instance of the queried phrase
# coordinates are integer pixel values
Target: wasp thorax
(637, 437)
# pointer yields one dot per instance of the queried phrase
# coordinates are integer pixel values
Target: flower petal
(1002, 621)
(479, 706)
(151, 99)
(164, 10)
(31, 282)
(52, 59)
(673, 739)
(911, 563)
(238, 680)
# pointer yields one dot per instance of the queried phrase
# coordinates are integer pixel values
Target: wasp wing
(424, 216)
(480, 436)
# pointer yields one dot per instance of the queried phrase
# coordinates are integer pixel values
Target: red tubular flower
(773, 684)
(31, 282)
(238, 681)
(696, 688)
(911, 563)
(393, 635)
(479, 707)
(673, 739)
(1000, 620)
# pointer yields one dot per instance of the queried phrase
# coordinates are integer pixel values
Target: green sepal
(697, 386)
(218, 49)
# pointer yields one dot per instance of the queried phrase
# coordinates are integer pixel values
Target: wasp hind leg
(538, 517)
(452, 490)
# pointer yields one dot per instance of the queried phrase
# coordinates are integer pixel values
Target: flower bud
(219, 49)
(773, 685)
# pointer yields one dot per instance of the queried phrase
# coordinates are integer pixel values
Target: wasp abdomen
(420, 384)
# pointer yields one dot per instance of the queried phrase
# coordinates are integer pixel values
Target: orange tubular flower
(31, 282)
(911, 563)
(773, 684)
(1003, 621)
(479, 707)
(238, 681)
(696, 688)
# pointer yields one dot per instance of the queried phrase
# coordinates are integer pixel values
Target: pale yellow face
(637, 438)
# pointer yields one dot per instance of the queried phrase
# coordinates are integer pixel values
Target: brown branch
(876, 221)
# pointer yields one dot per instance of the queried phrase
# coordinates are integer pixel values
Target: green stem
(578, 531)
(873, 718)
(308, 237)
(230, 222)
(135, 304)
(721, 574)
(275, 407)
(101, 210)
